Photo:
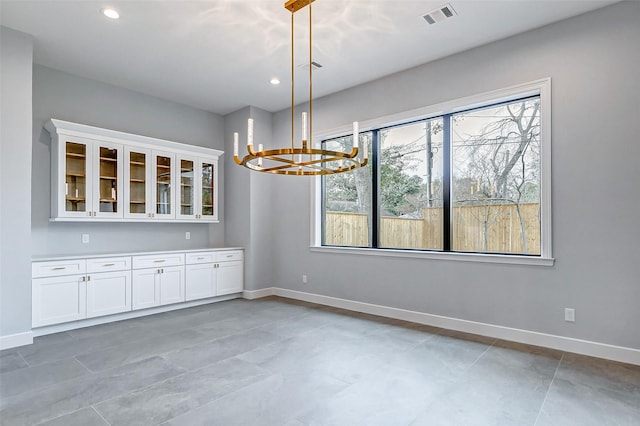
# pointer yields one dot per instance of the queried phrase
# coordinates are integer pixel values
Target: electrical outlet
(570, 314)
(304, 279)
(187, 235)
(85, 238)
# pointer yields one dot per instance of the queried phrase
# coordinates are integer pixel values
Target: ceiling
(219, 55)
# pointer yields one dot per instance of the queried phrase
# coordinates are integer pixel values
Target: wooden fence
(486, 228)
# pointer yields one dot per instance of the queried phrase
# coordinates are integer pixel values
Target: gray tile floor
(278, 362)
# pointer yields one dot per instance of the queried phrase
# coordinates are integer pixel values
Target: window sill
(458, 257)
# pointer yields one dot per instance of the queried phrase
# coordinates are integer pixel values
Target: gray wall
(593, 61)
(61, 95)
(248, 201)
(16, 51)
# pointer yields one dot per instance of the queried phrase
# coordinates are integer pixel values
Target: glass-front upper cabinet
(197, 188)
(163, 189)
(187, 189)
(75, 178)
(101, 174)
(137, 187)
(91, 172)
(208, 190)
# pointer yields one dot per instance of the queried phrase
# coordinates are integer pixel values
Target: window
(469, 180)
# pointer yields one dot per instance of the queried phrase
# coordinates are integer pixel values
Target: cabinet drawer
(226, 256)
(201, 257)
(158, 261)
(57, 268)
(107, 264)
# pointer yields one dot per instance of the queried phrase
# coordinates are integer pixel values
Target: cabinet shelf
(108, 200)
(111, 160)
(137, 180)
(136, 163)
(109, 177)
(74, 155)
(136, 201)
(75, 199)
(76, 174)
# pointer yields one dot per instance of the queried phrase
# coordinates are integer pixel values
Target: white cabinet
(197, 191)
(61, 294)
(74, 289)
(211, 274)
(230, 278)
(58, 299)
(158, 280)
(100, 174)
(87, 181)
(108, 293)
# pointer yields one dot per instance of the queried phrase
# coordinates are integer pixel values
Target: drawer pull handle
(229, 255)
(159, 261)
(201, 258)
(59, 268)
(109, 264)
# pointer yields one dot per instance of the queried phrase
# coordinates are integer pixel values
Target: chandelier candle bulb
(304, 126)
(355, 134)
(250, 131)
(260, 148)
(235, 144)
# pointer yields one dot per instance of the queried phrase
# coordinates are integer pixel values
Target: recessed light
(110, 13)
(275, 81)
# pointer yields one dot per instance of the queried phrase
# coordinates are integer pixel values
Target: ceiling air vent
(314, 64)
(440, 14)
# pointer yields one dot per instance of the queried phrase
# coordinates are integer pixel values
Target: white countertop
(49, 257)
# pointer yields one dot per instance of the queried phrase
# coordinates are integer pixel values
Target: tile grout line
(22, 358)
(546, 395)
(99, 414)
(85, 367)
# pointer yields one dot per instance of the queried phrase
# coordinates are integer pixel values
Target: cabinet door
(208, 199)
(172, 285)
(187, 181)
(108, 293)
(137, 183)
(163, 175)
(58, 299)
(74, 178)
(200, 281)
(230, 278)
(107, 180)
(145, 291)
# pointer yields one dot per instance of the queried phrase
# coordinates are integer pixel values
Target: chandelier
(305, 160)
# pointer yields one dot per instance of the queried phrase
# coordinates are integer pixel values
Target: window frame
(541, 88)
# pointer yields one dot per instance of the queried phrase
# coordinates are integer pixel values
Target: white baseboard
(256, 294)
(15, 340)
(567, 344)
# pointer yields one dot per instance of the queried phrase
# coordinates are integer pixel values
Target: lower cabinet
(58, 299)
(74, 297)
(160, 286)
(230, 278)
(214, 274)
(73, 289)
(108, 293)
(201, 281)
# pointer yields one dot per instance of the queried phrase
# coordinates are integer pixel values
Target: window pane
(411, 186)
(496, 179)
(347, 200)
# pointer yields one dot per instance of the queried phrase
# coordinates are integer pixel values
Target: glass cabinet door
(137, 175)
(76, 177)
(187, 187)
(108, 174)
(208, 183)
(163, 172)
